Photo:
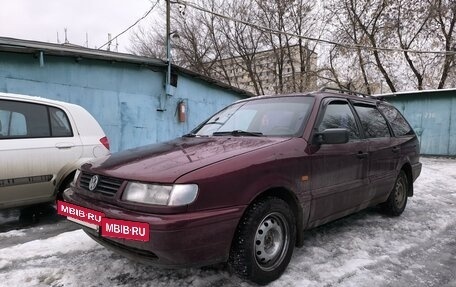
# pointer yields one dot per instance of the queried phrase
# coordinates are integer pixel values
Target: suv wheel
(264, 241)
(397, 199)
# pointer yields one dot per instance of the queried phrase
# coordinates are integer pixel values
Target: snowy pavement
(365, 249)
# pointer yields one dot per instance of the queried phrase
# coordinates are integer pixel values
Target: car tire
(397, 200)
(29, 215)
(264, 241)
(65, 184)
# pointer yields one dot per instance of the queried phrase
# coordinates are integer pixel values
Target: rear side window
(339, 115)
(28, 120)
(373, 123)
(60, 126)
(397, 121)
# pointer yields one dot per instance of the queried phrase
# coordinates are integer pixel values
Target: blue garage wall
(452, 121)
(123, 97)
(432, 116)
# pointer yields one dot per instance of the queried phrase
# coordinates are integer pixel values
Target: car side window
(60, 125)
(373, 123)
(12, 124)
(29, 120)
(339, 115)
(398, 123)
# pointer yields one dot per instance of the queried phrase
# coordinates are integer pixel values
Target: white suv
(42, 143)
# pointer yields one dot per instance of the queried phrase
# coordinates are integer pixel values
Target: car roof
(79, 115)
(323, 93)
(35, 99)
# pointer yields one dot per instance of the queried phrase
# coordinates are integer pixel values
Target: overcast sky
(41, 20)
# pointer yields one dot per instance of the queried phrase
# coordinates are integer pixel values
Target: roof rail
(348, 92)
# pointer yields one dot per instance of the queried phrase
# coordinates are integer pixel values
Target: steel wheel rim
(400, 192)
(271, 241)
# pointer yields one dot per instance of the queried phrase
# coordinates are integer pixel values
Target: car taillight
(104, 141)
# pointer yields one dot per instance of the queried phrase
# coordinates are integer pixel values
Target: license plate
(80, 213)
(98, 221)
(125, 229)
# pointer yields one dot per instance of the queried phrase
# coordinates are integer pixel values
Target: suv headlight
(171, 195)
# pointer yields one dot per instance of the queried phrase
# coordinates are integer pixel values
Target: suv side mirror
(332, 136)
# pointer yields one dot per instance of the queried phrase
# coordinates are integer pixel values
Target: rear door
(36, 141)
(339, 178)
(384, 150)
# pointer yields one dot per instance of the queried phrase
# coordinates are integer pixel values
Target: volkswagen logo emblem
(93, 182)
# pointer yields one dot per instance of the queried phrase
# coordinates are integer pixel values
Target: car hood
(166, 162)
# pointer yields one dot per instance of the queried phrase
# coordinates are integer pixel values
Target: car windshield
(278, 116)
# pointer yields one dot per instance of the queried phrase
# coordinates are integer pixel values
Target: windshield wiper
(238, 133)
(193, 135)
(214, 123)
(189, 135)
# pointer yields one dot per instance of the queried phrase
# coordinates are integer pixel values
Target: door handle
(362, 155)
(64, 145)
(396, 149)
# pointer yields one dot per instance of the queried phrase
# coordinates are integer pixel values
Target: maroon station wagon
(244, 186)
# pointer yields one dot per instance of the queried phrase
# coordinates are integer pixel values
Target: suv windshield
(280, 116)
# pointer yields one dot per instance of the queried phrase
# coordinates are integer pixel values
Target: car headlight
(171, 195)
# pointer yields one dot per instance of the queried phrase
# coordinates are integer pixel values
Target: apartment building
(286, 70)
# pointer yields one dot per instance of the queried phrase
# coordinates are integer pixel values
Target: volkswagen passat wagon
(243, 186)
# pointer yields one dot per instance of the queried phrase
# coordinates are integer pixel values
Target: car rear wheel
(397, 199)
(264, 241)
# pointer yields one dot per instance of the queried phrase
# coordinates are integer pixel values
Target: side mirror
(332, 136)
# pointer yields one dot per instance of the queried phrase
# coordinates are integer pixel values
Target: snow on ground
(365, 249)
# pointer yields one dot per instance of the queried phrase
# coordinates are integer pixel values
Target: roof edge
(29, 46)
(386, 95)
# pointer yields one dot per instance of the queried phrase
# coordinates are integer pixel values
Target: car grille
(106, 185)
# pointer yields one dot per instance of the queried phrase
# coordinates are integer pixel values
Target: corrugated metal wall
(123, 97)
(433, 117)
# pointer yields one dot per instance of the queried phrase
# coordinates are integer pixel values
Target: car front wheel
(264, 241)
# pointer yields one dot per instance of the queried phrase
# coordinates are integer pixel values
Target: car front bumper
(176, 240)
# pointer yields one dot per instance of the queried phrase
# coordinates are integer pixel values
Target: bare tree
(194, 46)
(348, 32)
(220, 44)
(445, 17)
(367, 15)
(329, 74)
(411, 20)
(148, 42)
(367, 26)
(213, 46)
(244, 42)
(292, 69)
(304, 17)
(235, 52)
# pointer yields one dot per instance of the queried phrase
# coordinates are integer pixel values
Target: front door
(338, 177)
